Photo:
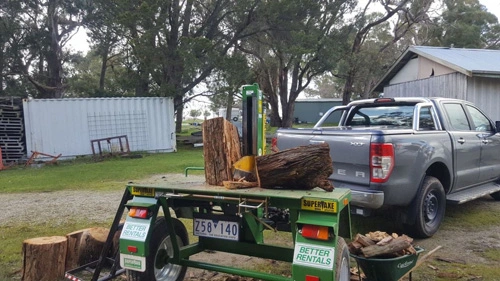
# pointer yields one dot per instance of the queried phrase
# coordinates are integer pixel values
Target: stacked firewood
(381, 245)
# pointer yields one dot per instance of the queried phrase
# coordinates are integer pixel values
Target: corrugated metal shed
(470, 62)
(67, 126)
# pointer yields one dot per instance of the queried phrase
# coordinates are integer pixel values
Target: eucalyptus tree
(175, 45)
(465, 24)
(304, 39)
(36, 47)
(372, 41)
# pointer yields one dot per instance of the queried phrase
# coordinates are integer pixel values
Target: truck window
(333, 119)
(456, 115)
(426, 122)
(480, 122)
(394, 115)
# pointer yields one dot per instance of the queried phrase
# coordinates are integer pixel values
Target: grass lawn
(84, 173)
(79, 174)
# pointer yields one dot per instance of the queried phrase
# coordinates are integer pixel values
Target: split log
(221, 149)
(303, 167)
(398, 244)
(44, 258)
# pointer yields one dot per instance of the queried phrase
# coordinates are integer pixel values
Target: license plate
(133, 262)
(143, 191)
(220, 229)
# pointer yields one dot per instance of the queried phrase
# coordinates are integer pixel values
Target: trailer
(231, 221)
(155, 247)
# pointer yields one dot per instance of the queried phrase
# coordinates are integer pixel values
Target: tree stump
(221, 149)
(44, 258)
(91, 243)
(73, 251)
(303, 167)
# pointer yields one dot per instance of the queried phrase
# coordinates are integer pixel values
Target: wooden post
(221, 149)
(44, 258)
(303, 167)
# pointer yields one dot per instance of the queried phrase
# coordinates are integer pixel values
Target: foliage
(194, 113)
(33, 45)
(298, 44)
(176, 48)
(466, 24)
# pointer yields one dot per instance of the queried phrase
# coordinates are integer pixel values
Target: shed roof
(470, 62)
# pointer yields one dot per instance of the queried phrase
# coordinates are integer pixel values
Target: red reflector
(312, 278)
(132, 249)
(315, 232)
(138, 212)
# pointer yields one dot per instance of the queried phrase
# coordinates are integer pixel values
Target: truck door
(466, 146)
(490, 144)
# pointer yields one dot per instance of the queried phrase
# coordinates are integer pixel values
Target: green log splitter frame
(237, 220)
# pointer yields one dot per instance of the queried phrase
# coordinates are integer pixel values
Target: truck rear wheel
(160, 246)
(342, 272)
(430, 207)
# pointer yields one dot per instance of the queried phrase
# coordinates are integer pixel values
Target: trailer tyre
(342, 272)
(430, 207)
(159, 245)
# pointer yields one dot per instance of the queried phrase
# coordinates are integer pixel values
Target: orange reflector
(346, 201)
(315, 232)
(137, 212)
(312, 278)
(132, 249)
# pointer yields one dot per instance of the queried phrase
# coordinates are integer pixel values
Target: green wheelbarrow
(391, 269)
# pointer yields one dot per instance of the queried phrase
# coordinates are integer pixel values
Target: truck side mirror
(497, 126)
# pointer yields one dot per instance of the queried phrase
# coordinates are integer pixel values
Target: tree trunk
(44, 258)
(179, 108)
(303, 167)
(91, 243)
(221, 149)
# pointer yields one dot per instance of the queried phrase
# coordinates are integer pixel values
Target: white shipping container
(67, 126)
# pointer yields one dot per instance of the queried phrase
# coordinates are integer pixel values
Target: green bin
(391, 269)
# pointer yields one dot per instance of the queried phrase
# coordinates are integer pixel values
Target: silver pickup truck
(412, 154)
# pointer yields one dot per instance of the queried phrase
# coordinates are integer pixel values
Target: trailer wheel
(342, 272)
(430, 207)
(159, 246)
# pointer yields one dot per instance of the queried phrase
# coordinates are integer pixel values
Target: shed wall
(66, 126)
(485, 93)
(448, 86)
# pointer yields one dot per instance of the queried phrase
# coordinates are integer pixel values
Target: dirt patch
(461, 245)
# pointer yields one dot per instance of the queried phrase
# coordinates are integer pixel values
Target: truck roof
(402, 99)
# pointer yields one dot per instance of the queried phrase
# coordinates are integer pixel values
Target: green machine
(234, 221)
(154, 241)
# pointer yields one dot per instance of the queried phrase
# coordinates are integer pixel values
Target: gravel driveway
(465, 245)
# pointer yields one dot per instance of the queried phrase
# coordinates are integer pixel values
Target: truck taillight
(381, 161)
